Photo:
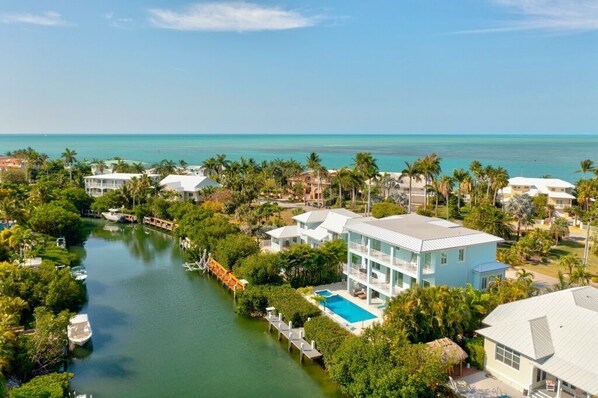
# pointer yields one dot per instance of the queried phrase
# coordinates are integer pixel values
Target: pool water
(344, 308)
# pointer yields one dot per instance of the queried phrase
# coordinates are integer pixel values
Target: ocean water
(522, 155)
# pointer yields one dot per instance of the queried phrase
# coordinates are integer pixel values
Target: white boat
(113, 215)
(80, 273)
(79, 330)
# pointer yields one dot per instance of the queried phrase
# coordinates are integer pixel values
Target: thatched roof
(450, 350)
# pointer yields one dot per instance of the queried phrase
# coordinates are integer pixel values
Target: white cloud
(235, 17)
(49, 18)
(547, 15)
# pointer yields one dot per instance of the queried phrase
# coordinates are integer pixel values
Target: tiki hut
(452, 354)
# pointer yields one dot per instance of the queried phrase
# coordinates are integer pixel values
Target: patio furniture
(463, 387)
(550, 385)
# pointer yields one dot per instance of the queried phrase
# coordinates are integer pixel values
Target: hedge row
(327, 334)
(285, 299)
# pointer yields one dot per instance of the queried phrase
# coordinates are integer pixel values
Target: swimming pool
(344, 308)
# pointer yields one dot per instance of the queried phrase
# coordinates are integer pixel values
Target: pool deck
(357, 328)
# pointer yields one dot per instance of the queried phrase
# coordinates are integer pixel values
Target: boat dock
(225, 276)
(130, 218)
(159, 223)
(295, 336)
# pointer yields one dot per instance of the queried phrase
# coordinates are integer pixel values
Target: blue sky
(335, 66)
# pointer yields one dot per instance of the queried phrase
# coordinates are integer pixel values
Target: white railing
(357, 273)
(379, 255)
(380, 285)
(405, 266)
(358, 247)
(427, 270)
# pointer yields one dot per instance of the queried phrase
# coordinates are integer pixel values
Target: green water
(160, 331)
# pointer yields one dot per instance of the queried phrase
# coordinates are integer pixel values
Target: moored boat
(79, 330)
(113, 215)
(80, 273)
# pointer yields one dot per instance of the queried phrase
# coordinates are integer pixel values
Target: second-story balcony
(358, 247)
(405, 266)
(380, 255)
(359, 274)
(428, 269)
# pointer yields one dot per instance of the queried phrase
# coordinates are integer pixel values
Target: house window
(484, 283)
(461, 255)
(413, 282)
(375, 266)
(443, 258)
(507, 356)
(426, 283)
(428, 259)
(398, 278)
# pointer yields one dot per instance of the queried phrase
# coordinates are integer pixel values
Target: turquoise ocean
(522, 155)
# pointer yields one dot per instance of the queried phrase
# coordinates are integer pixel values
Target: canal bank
(160, 331)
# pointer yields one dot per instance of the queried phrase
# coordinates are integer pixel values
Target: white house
(546, 345)
(389, 255)
(558, 191)
(313, 228)
(187, 186)
(98, 185)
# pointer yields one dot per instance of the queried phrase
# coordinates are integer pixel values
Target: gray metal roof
(320, 215)
(290, 231)
(557, 330)
(491, 266)
(421, 234)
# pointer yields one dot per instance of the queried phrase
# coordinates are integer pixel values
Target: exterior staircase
(540, 394)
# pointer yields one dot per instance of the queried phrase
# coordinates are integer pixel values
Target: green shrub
(53, 385)
(253, 301)
(234, 248)
(260, 269)
(475, 349)
(385, 209)
(292, 305)
(327, 334)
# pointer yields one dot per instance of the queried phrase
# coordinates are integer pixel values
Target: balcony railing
(405, 266)
(355, 272)
(358, 247)
(380, 285)
(379, 255)
(427, 270)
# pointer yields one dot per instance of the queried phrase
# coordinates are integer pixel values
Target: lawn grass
(566, 247)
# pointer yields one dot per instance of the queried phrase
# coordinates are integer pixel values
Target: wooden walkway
(225, 276)
(295, 337)
(159, 223)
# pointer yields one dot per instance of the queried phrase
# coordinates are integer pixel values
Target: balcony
(380, 285)
(427, 270)
(358, 247)
(379, 255)
(359, 274)
(405, 266)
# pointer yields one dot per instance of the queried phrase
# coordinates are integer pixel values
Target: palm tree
(522, 210)
(580, 276)
(342, 178)
(221, 163)
(559, 228)
(100, 166)
(445, 187)
(429, 166)
(314, 162)
(586, 165)
(570, 261)
(500, 179)
(69, 157)
(412, 171)
(366, 165)
(138, 168)
(165, 167)
(478, 171)
(459, 176)
(387, 183)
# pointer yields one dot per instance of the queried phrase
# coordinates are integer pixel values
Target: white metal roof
(318, 234)
(290, 231)
(556, 330)
(540, 182)
(420, 234)
(117, 176)
(336, 222)
(188, 183)
(320, 215)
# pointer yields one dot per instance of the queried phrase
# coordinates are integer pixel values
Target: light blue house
(389, 255)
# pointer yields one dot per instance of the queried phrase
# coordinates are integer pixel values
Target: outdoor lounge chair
(550, 385)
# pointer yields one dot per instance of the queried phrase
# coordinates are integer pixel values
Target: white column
(558, 388)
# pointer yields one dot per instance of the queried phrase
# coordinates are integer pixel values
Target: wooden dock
(130, 218)
(295, 337)
(159, 223)
(225, 276)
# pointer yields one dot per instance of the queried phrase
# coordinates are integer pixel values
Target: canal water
(160, 331)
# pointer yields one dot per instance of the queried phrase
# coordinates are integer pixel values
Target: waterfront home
(389, 255)
(187, 186)
(557, 191)
(313, 186)
(98, 185)
(12, 164)
(108, 166)
(546, 345)
(313, 228)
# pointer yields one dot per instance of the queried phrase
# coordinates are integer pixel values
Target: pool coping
(340, 288)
